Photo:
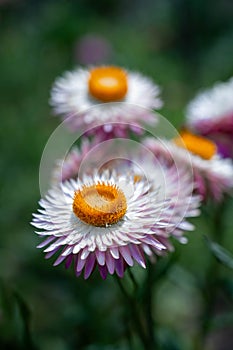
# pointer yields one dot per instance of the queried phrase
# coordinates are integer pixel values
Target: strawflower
(210, 114)
(88, 97)
(213, 174)
(111, 221)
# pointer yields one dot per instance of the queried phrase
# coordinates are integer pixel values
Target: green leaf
(220, 253)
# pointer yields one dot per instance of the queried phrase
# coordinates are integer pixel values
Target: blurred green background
(183, 46)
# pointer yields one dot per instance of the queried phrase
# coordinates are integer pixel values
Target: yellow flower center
(108, 84)
(100, 204)
(196, 144)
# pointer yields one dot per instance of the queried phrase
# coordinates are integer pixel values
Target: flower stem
(139, 315)
(149, 304)
(210, 286)
(133, 279)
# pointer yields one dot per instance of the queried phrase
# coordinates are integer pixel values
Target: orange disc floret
(196, 144)
(100, 204)
(108, 84)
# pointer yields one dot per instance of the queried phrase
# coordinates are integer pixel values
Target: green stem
(137, 314)
(133, 312)
(148, 300)
(210, 287)
(128, 333)
(131, 275)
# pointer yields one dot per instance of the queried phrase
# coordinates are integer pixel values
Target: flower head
(213, 175)
(69, 167)
(111, 220)
(210, 113)
(88, 97)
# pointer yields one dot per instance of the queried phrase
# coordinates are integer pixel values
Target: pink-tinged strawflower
(110, 220)
(87, 97)
(210, 114)
(69, 167)
(85, 154)
(213, 175)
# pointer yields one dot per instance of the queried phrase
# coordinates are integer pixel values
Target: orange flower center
(100, 204)
(196, 144)
(108, 84)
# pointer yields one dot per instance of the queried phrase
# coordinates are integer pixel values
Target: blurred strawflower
(210, 113)
(213, 175)
(68, 168)
(88, 97)
(112, 220)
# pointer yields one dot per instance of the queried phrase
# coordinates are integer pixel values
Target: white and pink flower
(210, 114)
(86, 98)
(111, 221)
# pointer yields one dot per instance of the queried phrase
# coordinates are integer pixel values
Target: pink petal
(90, 263)
(103, 271)
(100, 256)
(115, 252)
(125, 252)
(119, 264)
(48, 255)
(59, 260)
(45, 242)
(110, 263)
(69, 261)
(137, 255)
(79, 264)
